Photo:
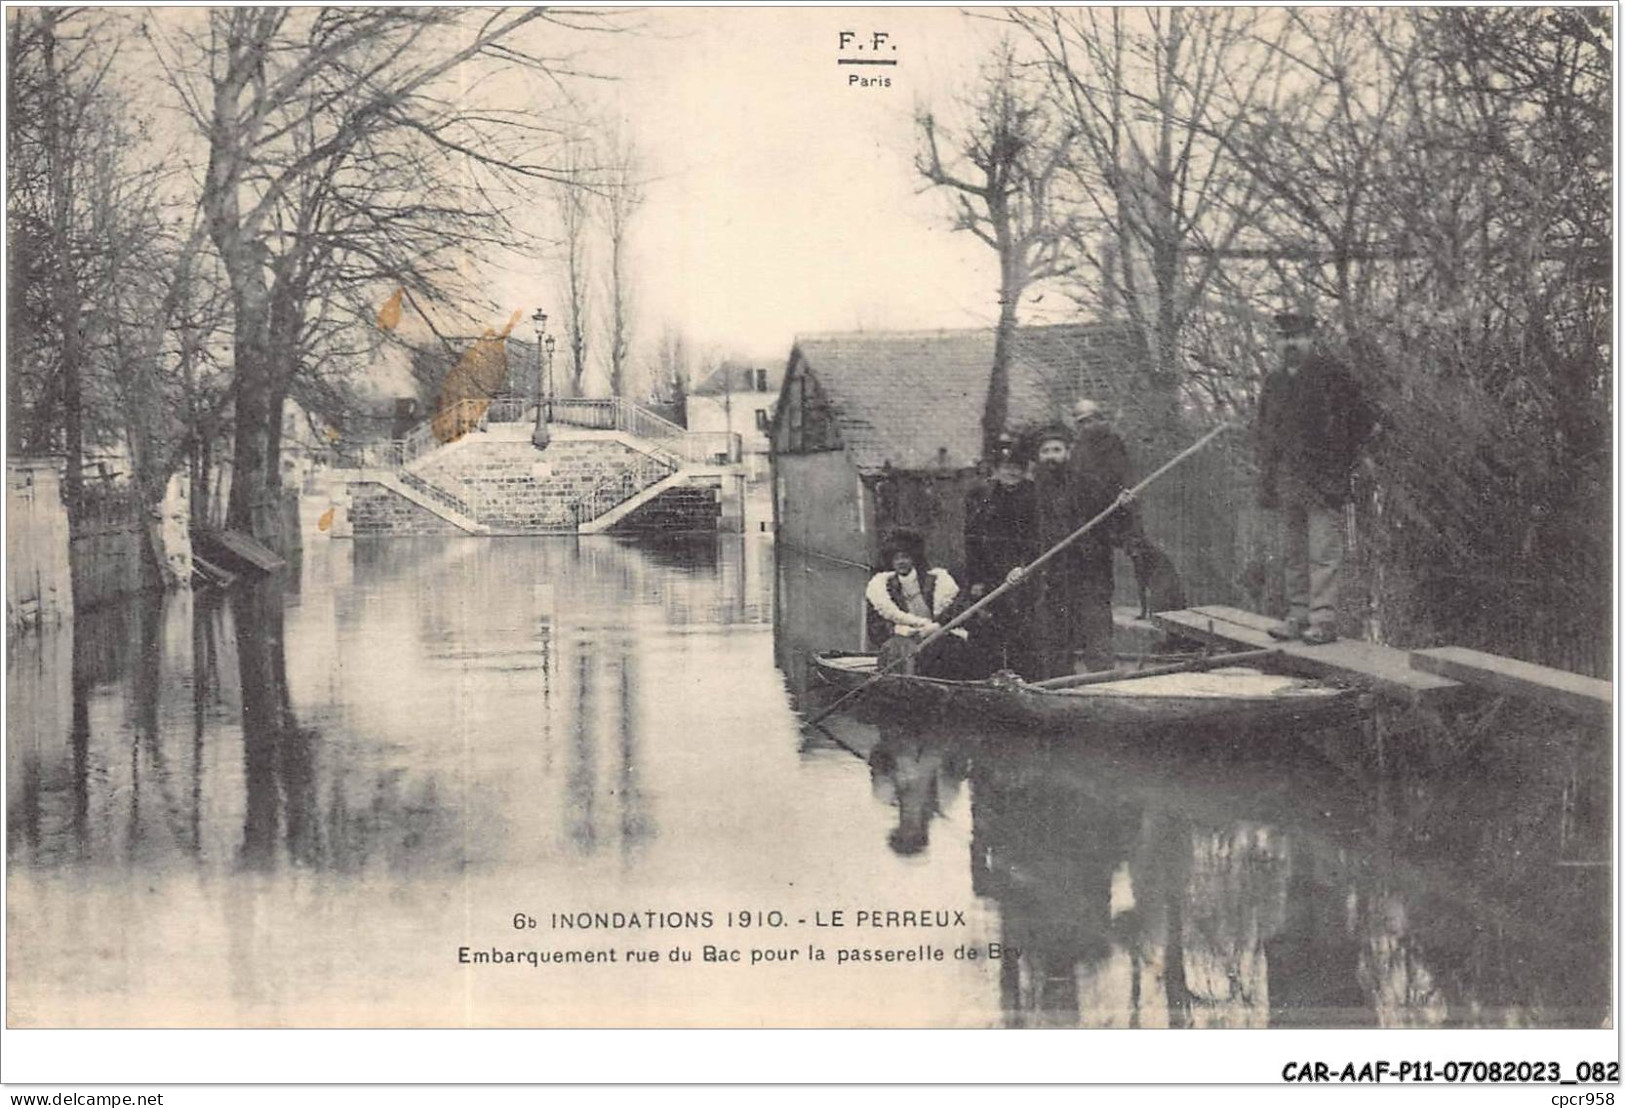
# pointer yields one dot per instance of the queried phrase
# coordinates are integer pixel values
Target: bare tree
(349, 154)
(1000, 168)
(1151, 97)
(57, 62)
(623, 196)
(672, 372)
(1436, 183)
(115, 311)
(573, 204)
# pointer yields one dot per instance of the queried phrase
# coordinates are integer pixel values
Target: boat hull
(1228, 697)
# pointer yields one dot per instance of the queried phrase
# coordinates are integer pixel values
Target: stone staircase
(475, 468)
(675, 510)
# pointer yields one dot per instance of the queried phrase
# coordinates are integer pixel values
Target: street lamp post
(539, 437)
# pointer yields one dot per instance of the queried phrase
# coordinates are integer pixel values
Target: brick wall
(512, 486)
(379, 510)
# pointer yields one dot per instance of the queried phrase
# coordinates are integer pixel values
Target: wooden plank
(1381, 667)
(236, 551)
(1572, 692)
(210, 573)
(1212, 661)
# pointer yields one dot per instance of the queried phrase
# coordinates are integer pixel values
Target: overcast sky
(784, 199)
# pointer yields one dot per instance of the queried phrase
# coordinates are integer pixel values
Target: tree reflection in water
(1146, 887)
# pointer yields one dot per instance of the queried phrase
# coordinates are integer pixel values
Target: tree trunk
(1012, 279)
(1165, 245)
(251, 475)
(253, 471)
(64, 286)
(996, 412)
(618, 293)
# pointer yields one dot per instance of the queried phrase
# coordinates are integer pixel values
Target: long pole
(1017, 578)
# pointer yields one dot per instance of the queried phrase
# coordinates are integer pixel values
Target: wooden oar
(1195, 665)
(1125, 497)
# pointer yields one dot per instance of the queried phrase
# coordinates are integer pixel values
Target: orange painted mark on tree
(326, 521)
(477, 377)
(389, 316)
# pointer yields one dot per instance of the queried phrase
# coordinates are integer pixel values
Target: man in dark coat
(1100, 473)
(1099, 458)
(1001, 534)
(1312, 420)
(1072, 610)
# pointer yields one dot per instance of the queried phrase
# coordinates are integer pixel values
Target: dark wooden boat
(1230, 695)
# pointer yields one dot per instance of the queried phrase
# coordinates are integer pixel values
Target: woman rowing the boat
(909, 601)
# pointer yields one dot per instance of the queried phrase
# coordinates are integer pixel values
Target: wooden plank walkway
(1583, 696)
(1382, 668)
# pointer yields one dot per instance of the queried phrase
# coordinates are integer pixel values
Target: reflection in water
(913, 771)
(635, 826)
(583, 756)
(285, 806)
(819, 605)
(1202, 882)
(1136, 900)
(273, 808)
(1049, 861)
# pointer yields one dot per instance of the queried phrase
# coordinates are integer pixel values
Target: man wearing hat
(1100, 465)
(1001, 534)
(1099, 454)
(1312, 420)
(1072, 609)
(910, 601)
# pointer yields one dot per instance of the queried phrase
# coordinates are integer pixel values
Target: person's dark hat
(908, 841)
(1292, 324)
(1007, 449)
(904, 540)
(1051, 431)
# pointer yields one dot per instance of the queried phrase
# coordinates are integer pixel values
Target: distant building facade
(743, 400)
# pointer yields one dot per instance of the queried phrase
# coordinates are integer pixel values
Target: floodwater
(465, 782)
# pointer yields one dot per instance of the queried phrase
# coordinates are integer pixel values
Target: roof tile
(900, 396)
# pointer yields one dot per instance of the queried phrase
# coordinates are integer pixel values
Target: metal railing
(618, 488)
(608, 414)
(509, 409)
(442, 496)
(615, 414)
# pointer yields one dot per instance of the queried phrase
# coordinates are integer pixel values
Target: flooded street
(466, 782)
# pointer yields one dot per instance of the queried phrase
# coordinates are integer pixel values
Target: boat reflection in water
(1202, 879)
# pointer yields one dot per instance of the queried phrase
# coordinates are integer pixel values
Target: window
(761, 419)
(761, 380)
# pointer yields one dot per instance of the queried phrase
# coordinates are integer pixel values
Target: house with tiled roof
(877, 430)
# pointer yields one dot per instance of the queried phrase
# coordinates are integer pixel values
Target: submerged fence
(108, 546)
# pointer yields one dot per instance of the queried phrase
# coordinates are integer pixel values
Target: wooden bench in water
(1583, 696)
(1381, 668)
